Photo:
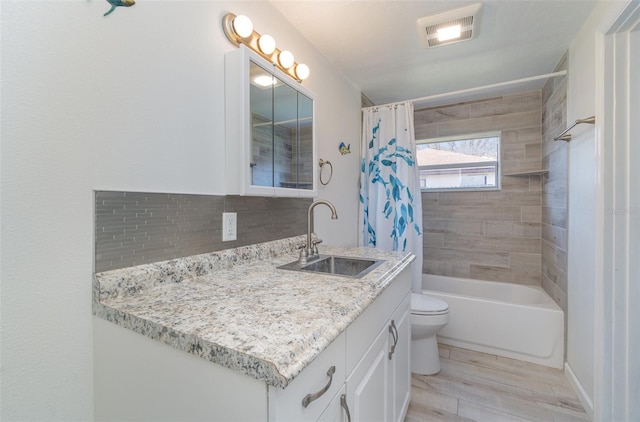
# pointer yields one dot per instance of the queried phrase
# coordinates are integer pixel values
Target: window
(468, 162)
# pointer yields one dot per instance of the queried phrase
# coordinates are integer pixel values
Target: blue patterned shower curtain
(390, 200)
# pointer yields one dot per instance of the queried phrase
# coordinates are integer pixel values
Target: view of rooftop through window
(466, 162)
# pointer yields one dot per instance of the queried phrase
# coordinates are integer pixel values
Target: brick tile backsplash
(134, 228)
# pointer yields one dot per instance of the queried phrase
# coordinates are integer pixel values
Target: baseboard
(585, 400)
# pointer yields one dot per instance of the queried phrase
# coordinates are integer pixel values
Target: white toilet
(428, 316)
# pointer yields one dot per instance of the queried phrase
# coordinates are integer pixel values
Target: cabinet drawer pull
(394, 333)
(311, 397)
(345, 406)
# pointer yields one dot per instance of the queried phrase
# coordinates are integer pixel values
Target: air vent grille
(465, 18)
(466, 31)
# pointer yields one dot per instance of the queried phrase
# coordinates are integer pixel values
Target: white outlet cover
(229, 226)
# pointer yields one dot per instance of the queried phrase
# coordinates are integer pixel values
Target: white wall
(343, 189)
(133, 101)
(583, 246)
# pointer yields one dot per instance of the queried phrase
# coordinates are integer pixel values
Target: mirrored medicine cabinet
(270, 142)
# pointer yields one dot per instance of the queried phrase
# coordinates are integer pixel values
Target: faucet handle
(314, 246)
(303, 253)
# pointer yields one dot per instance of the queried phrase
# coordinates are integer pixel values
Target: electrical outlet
(229, 226)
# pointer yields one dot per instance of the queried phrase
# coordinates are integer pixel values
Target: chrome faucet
(310, 249)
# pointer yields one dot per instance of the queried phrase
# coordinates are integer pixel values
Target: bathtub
(511, 320)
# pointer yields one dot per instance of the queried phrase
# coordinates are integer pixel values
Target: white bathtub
(510, 320)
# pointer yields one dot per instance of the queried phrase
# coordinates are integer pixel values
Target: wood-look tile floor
(475, 386)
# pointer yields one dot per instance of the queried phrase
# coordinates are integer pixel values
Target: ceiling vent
(450, 27)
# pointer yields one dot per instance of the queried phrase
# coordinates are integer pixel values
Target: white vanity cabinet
(335, 411)
(270, 147)
(400, 363)
(364, 372)
(369, 385)
(309, 394)
(379, 384)
(372, 378)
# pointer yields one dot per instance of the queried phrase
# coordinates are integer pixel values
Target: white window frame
(464, 137)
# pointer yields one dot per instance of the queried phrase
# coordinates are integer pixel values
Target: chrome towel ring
(321, 163)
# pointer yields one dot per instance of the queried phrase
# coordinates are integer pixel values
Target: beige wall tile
(510, 183)
(499, 228)
(518, 166)
(429, 199)
(492, 258)
(512, 151)
(555, 274)
(485, 124)
(472, 213)
(555, 216)
(454, 226)
(555, 235)
(531, 215)
(533, 230)
(522, 135)
(535, 183)
(485, 243)
(554, 190)
(433, 240)
(527, 262)
(490, 198)
(506, 105)
(481, 230)
(555, 293)
(508, 275)
(554, 255)
(533, 150)
(451, 269)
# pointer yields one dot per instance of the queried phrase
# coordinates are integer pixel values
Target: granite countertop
(234, 308)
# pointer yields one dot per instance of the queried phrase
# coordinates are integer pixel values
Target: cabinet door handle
(394, 333)
(311, 397)
(345, 406)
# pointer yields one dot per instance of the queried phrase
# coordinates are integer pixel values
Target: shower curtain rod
(479, 88)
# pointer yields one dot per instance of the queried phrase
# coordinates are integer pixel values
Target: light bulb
(267, 44)
(302, 71)
(285, 58)
(449, 33)
(242, 26)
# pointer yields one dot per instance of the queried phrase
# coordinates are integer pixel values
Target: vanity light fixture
(302, 71)
(285, 58)
(267, 44)
(242, 26)
(239, 30)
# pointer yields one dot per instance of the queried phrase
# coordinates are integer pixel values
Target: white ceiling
(375, 43)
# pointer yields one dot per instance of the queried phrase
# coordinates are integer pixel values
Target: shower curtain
(390, 200)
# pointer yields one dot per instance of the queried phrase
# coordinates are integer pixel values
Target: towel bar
(564, 136)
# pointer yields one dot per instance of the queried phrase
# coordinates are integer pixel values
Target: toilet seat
(427, 305)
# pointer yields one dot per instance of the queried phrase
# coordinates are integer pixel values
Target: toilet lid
(427, 305)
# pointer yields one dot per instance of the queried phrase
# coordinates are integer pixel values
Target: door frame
(616, 368)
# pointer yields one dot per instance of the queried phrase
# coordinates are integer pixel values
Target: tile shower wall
(135, 228)
(490, 235)
(554, 189)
